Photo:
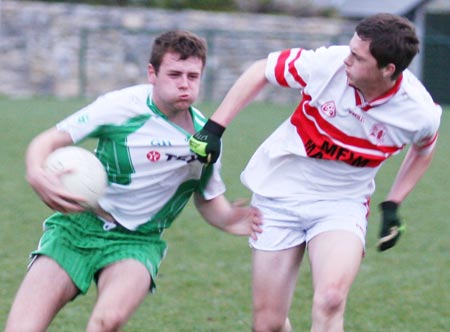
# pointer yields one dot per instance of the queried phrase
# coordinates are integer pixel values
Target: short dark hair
(393, 39)
(184, 43)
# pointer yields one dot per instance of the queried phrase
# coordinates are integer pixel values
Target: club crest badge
(153, 156)
(329, 109)
(378, 132)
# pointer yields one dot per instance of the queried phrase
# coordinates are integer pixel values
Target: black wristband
(389, 205)
(214, 128)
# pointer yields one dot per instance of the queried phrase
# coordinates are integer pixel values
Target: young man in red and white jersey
(314, 176)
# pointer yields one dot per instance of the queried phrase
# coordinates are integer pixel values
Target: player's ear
(388, 70)
(151, 73)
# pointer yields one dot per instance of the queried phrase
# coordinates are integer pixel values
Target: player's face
(177, 84)
(360, 66)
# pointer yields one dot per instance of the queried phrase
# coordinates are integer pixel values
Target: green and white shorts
(83, 244)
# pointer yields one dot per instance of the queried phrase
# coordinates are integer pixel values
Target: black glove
(391, 227)
(206, 143)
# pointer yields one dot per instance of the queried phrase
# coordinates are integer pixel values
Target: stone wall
(72, 50)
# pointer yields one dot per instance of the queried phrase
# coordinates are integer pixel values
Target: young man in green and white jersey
(143, 134)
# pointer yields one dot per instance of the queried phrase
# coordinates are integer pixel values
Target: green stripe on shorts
(81, 246)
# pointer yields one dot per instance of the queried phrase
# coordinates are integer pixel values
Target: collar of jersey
(365, 106)
(156, 110)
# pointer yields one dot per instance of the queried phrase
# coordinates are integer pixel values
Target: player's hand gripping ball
(206, 143)
(85, 176)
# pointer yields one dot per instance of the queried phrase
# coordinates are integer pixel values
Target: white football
(87, 177)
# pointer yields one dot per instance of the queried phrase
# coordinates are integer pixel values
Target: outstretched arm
(206, 143)
(243, 91)
(233, 218)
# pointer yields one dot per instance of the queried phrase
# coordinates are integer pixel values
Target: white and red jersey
(335, 141)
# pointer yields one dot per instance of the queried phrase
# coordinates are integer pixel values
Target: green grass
(204, 283)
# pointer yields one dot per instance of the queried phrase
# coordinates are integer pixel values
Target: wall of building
(71, 50)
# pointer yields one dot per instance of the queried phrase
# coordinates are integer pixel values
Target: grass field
(204, 283)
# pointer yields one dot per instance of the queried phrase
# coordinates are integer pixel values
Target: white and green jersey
(151, 170)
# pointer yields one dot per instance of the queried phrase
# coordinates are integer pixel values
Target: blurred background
(86, 48)
(54, 55)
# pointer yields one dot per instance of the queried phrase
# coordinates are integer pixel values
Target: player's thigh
(45, 289)
(335, 258)
(122, 286)
(274, 277)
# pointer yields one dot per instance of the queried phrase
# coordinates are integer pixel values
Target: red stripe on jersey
(379, 100)
(281, 66)
(293, 70)
(429, 143)
(388, 94)
(308, 120)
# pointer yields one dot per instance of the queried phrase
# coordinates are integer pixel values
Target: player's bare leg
(287, 326)
(45, 289)
(274, 278)
(122, 287)
(335, 260)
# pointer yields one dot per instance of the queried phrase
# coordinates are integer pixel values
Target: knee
(106, 322)
(269, 322)
(273, 327)
(329, 301)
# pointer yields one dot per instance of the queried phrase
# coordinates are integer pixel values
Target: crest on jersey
(329, 109)
(153, 156)
(378, 132)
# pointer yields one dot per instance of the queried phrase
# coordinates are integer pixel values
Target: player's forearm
(411, 171)
(40, 147)
(244, 90)
(235, 218)
(213, 211)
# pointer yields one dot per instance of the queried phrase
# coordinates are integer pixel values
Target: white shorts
(289, 223)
